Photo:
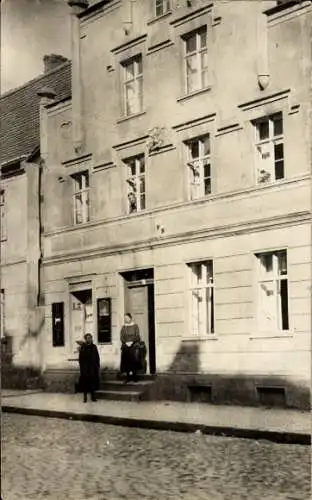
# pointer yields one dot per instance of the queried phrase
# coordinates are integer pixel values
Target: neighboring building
(21, 314)
(177, 187)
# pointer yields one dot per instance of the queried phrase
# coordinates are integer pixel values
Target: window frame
(200, 160)
(264, 176)
(3, 215)
(164, 5)
(84, 192)
(134, 182)
(208, 329)
(197, 53)
(277, 277)
(101, 325)
(137, 80)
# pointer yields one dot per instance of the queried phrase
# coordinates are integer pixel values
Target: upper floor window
(136, 184)
(3, 221)
(270, 148)
(133, 86)
(199, 166)
(81, 197)
(273, 291)
(196, 60)
(162, 7)
(201, 297)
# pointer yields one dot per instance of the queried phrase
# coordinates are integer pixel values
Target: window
(2, 313)
(3, 222)
(81, 197)
(133, 86)
(196, 60)
(104, 321)
(273, 291)
(58, 339)
(270, 148)
(162, 7)
(136, 184)
(199, 166)
(201, 297)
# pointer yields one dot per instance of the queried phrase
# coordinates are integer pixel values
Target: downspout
(77, 6)
(263, 74)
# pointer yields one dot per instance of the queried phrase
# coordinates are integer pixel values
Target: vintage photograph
(155, 249)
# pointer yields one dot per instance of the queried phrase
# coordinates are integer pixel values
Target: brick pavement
(276, 424)
(56, 459)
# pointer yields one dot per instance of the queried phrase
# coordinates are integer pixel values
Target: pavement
(279, 425)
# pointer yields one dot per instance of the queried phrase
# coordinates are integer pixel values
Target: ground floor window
(58, 338)
(104, 321)
(273, 313)
(201, 297)
(2, 312)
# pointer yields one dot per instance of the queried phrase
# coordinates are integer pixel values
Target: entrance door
(137, 304)
(139, 301)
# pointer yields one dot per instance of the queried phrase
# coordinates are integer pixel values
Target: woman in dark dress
(129, 337)
(89, 363)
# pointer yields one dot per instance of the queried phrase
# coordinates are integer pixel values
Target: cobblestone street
(59, 459)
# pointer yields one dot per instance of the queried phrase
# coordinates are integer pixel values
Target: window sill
(129, 117)
(193, 94)
(287, 334)
(155, 19)
(201, 338)
(104, 343)
(271, 183)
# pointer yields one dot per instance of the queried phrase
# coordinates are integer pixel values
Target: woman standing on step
(89, 363)
(129, 337)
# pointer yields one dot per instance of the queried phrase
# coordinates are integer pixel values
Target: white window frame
(162, 7)
(204, 288)
(197, 54)
(137, 81)
(3, 216)
(196, 167)
(134, 182)
(272, 283)
(266, 168)
(81, 188)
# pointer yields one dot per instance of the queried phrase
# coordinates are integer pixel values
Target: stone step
(119, 385)
(119, 395)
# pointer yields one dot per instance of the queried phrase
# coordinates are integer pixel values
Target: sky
(29, 30)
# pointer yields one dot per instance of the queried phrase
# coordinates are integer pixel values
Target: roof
(19, 112)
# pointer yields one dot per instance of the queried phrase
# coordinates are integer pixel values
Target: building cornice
(186, 237)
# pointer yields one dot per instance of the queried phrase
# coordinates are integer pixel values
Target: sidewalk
(280, 425)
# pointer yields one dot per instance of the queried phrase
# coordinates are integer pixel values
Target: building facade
(177, 186)
(22, 315)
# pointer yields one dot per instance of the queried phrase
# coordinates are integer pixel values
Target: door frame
(149, 283)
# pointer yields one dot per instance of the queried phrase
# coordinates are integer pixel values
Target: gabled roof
(19, 112)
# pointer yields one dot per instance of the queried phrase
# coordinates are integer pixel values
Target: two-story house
(21, 315)
(177, 187)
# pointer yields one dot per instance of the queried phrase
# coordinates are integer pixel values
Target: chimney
(52, 61)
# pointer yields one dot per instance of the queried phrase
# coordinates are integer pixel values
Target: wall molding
(194, 122)
(129, 44)
(85, 158)
(103, 166)
(159, 46)
(259, 225)
(267, 99)
(190, 16)
(132, 143)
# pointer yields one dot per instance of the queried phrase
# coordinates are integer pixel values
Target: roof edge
(37, 78)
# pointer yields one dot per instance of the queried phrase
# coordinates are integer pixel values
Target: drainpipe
(263, 76)
(47, 95)
(77, 6)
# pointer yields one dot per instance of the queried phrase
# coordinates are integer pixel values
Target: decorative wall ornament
(194, 166)
(155, 139)
(263, 81)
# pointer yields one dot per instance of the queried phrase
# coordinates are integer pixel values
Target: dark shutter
(104, 321)
(58, 338)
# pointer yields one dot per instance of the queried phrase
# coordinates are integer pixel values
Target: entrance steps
(117, 390)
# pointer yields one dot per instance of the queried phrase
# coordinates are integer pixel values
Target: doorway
(139, 301)
(82, 321)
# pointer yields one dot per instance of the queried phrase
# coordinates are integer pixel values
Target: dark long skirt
(133, 358)
(88, 384)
